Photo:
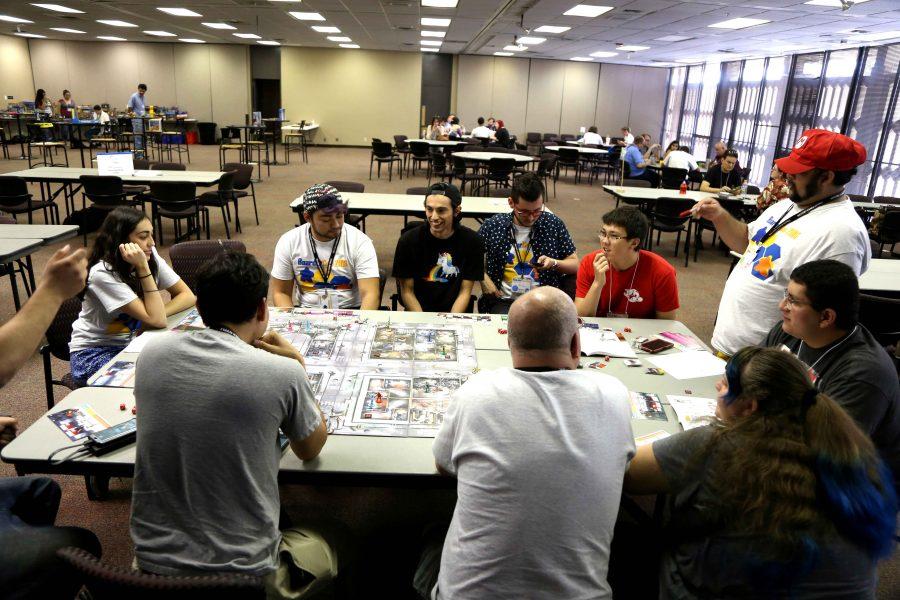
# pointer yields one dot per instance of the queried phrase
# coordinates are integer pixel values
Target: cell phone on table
(656, 345)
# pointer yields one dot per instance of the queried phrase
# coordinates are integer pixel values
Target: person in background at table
(819, 324)
(776, 190)
(481, 132)
(436, 130)
(620, 279)
(206, 469)
(501, 136)
(724, 176)
(719, 150)
(637, 163)
(456, 130)
(437, 263)
(782, 496)
(672, 147)
(137, 107)
(539, 451)
(492, 124)
(627, 137)
(449, 121)
(67, 106)
(325, 263)
(125, 278)
(680, 158)
(818, 223)
(100, 116)
(591, 137)
(42, 107)
(652, 150)
(524, 248)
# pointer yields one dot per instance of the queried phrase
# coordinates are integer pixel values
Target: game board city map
(376, 378)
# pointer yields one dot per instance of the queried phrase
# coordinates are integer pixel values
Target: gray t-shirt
(206, 473)
(101, 322)
(707, 562)
(539, 459)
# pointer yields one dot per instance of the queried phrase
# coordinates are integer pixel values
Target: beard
(812, 189)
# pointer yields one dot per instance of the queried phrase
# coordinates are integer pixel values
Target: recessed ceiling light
(832, 3)
(111, 38)
(349, 45)
(877, 37)
(218, 25)
(587, 10)
(29, 35)
(430, 42)
(529, 41)
(503, 54)
(161, 33)
(432, 22)
(14, 19)
(440, 3)
(326, 29)
(66, 30)
(633, 48)
(191, 41)
(58, 8)
(268, 42)
(306, 16)
(247, 36)
(180, 12)
(339, 38)
(551, 29)
(439, 34)
(582, 59)
(514, 48)
(427, 49)
(739, 23)
(689, 60)
(604, 54)
(116, 23)
(673, 38)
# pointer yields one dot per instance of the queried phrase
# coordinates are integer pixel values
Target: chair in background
(58, 336)
(177, 200)
(230, 142)
(499, 172)
(243, 180)
(753, 190)
(168, 166)
(45, 137)
(533, 143)
(673, 178)
(351, 187)
(439, 168)
(105, 582)
(461, 171)
(500, 192)
(401, 146)
(222, 197)
(383, 153)
(664, 217)
(174, 139)
(256, 142)
(568, 158)
(546, 170)
(16, 200)
(105, 192)
(881, 316)
(17, 269)
(734, 206)
(858, 198)
(188, 257)
(613, 164)
(886, 200)
(419, 153)
(888, 232)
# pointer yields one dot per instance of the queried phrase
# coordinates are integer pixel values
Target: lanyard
(515, 244)
(312, 242)
(727, 177)
(609, 308)
(812, 367)
(781, 223)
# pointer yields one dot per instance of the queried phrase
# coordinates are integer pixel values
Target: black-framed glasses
(525, 213)
(613, 237)
(791, 301)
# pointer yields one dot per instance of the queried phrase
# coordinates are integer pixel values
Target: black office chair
(16, 200)
(58, 336)
(664, 216)
(419, 153)
(382, 153)
(222, 198)
(177, 200)
(105, 192)
(673, 178)
(351, 187)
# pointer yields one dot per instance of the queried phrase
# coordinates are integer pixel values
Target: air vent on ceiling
(400, 3)
(859, 31)
(405, 28)
(632, 11)
(727, 51)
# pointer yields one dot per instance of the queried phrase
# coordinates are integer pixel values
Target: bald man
(539, 451)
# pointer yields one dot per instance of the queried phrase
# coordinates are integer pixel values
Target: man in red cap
(819, 223)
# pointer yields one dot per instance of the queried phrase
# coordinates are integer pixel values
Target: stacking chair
(177, 200)
(853, 197)
(243, 179)
(174, 139)
(401, 146)
(500, 172)
(461, 172)
(17, 269)
(734, 206)
(222, 197)
(258, 144)
(888, 232)
(228, 144)
(664, 216)
(439, 168)
(533, 143)
(881, 316)
(16, 200)
(419, 152)
(886, 200)
(295, 141)
(105, 192)
(168, 166)
(672, 178)
(58, 336)
(568, 157)
(42, 137)
(613, 162)
(546, 170)
(416, 191)
(351, 187)
(140, 164)
(383, 153)
(189, 257)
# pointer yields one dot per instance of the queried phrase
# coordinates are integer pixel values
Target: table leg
(30, 268)
(15, 288)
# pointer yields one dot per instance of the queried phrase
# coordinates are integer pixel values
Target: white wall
(15, 69)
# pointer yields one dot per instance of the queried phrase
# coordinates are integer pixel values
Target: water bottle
(683, 189)
(744, 189)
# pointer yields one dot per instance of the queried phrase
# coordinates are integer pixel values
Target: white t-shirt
(101, 117)
(354, 259)
(539, 459)
(678, 159)
(592, 138)
(749, 306)
(482, 132)
(101, 323)
(629, 139)
(513, 269)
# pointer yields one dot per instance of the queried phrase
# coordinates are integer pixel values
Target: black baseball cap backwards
(445, 189)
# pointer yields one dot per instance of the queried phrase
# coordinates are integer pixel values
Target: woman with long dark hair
(782, 496)
(125, 277)
(42, 104)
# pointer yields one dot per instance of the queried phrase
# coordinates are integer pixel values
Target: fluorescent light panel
(430, 42)
(116, 23)
(503, 54)
(439, 3)
(326, 29)
(247, 36)
(831, 3)
(689, 60)
(673, 38)
(66, 30)
(551, 29)
(161, 33)
(218, 25)
(14, 19)
(180, 12)
(877, 37)
(432, 22)
(29, 35)
(604, 54)
(339, 38)
(268, 42)
(58, 8)
(739, 23)
(514, 48)
(437, 34)
(587, 10)
(427, 49)
(349, 45)
(111, 38)
(530, 41)
(633, 48)
(582, 59)
(191, 41)
(306, 16)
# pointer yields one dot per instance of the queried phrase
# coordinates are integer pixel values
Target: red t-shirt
(655, 288)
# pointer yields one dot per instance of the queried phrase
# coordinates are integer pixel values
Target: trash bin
(207, 133)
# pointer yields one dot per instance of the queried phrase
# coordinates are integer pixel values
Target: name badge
(614, 315)
(520, 285)
(327, 299)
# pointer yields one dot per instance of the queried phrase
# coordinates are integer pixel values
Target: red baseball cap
(821, 149)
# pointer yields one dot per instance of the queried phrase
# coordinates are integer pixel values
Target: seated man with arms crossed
(620, 279)
(438, 262)
(332, 264)
(525, 248)
(539, 452)
(725, 176)
(819, 325)
(210, 406)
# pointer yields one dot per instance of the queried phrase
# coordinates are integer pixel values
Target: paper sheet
(137, 344)
(693, 412)
(689, 365)
(597, 342)
(643, 440)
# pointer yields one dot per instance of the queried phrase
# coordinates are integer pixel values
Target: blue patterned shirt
(549, 238)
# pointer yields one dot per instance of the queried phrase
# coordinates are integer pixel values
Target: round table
(580, 149)
(486, 156)
(439, 142)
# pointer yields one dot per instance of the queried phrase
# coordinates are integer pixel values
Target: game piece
(503, 331)
(620, 336)
(688, 393)
(134, 410)
(654, 371)
(606, 358)
(122, 406)
(632, 362)
(597, 365)
(628, 330)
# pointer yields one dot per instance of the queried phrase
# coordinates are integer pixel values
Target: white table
(12, 250)
(46, 234)
(581, 149)
(883, 276)
(439, 142)
(487, 156)
(367, 203)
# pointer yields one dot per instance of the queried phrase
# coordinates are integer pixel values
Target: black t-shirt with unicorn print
(438, 267)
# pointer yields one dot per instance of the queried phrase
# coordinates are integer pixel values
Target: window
(689, 109)
(802, 98)
(726, 103)
(674, 103)
(711, 75)
(832, 103)
(770, 106)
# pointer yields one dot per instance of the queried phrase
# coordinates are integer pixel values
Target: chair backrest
(7, 220)
(168, 166)
(59, 334)
(547, 164)
(881, 316)
(533, 137)
(243, 174)
(400, 142)
(501, 166)
(103, 189)
(636, 183)
(419, 149)
(439, 161)
(886, 200)
(668, 210)
(753, 189)
(347, 186)
(568, 155)
(416, 191)
(382, 149)
(226, 182)
(141, 164)
(14, 188)
(673, 178)
(566, 137)
(500, 192)
(854, 197)
(474, 148)
(889, 230)
(178, 193)
(105, 582)
(549, 136)
(188, 257)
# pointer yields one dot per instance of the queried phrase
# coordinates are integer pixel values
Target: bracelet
(555, 263)
(145, 276)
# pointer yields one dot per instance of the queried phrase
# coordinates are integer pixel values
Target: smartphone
(656, 345)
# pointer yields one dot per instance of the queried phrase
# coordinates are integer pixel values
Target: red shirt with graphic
(654, 290)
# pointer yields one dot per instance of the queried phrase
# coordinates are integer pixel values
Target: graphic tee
(655, 288)
(354, 259)
(519, 272)
(438, 267)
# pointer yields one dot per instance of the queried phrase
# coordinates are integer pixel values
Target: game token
(122, 406)
(620, 336)
(606, 358)
(597, 365)
(688, 393)
(502, 331)
(628, 330)
(134, 410)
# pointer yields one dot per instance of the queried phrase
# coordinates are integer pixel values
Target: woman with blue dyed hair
(782, 496)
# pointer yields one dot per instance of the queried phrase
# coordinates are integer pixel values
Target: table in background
(309, 128)
(13, 250)
(439, 142)
(883, 275)
(487, 156)
(45, 234)
(581, 149)
(18, 118)
(369, 203)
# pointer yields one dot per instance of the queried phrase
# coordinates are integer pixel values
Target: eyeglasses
(610, 236)
(792, 302)
(525, 213)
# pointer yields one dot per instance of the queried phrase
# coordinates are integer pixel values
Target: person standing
(137, 106)
(67, 106)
